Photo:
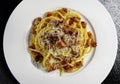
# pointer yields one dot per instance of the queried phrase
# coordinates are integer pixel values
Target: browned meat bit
(48, 14)
(88, 43)
(62, 37)
(56, 23)
(83, 24)
(53, 39)
(71, 32)
(35, 53)
(89, 34)
(68, 68)
(37, 20)
(33, 31)
(71, 22)
(37, 56)
(68, 30)
(54, 66)
(93, 43)
(51, 69)
(74, 19)
(63, 11)
(66, 60)
(65, 27)
(32, 46)
(78, 64)
(61, 44)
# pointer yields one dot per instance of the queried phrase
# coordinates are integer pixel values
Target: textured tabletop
(6, 8)
(113, 7)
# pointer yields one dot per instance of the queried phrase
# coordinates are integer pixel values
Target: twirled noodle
(60, 40)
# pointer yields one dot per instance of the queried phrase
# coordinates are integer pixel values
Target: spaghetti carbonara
(60, 40)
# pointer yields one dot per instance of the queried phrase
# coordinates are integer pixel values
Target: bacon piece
(74, 19)
(48, 14)
(37, 56)
(57, 65)
(66, 60)
(68, 68)
(84, 25)
(68, 30)
(61, 44)
(37, 20)
(66, 27)
(89, 34)
(93, 43)
(88, 43)
(33, 31)
(54, 66)
(59, 23)
(51, 69)
(63, 11)
(71, 32)
(32, 46)
(71, 22)
(79, 64)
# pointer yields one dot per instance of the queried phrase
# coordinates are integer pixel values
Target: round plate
(16, 34)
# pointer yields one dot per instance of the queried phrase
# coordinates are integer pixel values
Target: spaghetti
(60, 40)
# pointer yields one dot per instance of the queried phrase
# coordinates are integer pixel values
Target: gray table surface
(6, 8)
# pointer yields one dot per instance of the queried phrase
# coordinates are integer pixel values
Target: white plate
(15, 42)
